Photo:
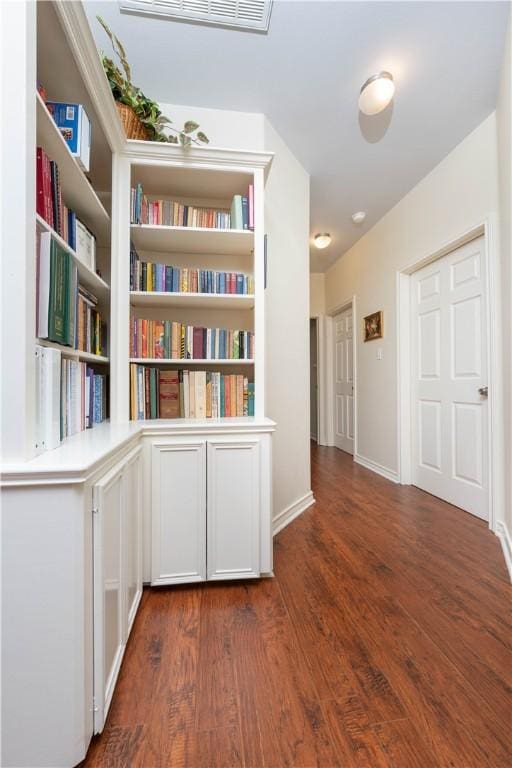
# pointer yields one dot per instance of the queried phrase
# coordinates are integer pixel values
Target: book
(236, 213)
(169, 395)
(84, 244)
(58, 309)
(74, 124)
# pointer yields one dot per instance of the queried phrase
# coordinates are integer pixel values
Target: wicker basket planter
(133, 127)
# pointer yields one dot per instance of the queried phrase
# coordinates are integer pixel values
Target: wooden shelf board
(76, 354)
(87, 277)
(163, 361)
(204, 300)
(77, 193)
(152, 237)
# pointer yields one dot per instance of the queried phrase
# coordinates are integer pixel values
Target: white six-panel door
(449, 367)
(344, 381)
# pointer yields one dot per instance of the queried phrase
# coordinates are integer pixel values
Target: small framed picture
(374, 326)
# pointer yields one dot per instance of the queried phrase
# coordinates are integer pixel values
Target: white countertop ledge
(82, 454)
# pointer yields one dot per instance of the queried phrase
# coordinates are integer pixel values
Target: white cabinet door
(108, 591)
(132, 517)
(178, 512)
(233, 508)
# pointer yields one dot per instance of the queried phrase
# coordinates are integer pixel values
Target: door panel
(344, 381)
(108, 594)
(233, 508)
(178, 512)
(449, 365)
(133, 536)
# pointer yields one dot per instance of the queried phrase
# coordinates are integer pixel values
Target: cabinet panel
(108, 593)
(178, 512)
(233, 508)
(133, 537)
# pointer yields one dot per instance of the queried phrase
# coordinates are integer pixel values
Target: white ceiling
(305, 75)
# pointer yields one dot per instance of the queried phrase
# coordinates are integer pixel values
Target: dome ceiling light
(376, 93)
(322, 240)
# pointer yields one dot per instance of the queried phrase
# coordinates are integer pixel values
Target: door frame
(316, 318)
(321, 394)
(349, 302)
(487, 228)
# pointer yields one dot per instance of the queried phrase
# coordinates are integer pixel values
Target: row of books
(156, 394)
(50, 206)
(169, 340)
(66, 312)
(147, 276)
(149, 210)
(70, 397)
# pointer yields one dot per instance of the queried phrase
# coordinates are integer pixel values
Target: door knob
(484, 391)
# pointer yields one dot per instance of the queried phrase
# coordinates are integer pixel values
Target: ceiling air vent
(252, 15)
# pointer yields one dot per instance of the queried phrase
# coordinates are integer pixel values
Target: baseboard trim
(290, 513)
(389, 474)
(506, 544)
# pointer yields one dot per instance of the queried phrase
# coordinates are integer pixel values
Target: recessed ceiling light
(359, 217)
(322, 240)
(376, 93)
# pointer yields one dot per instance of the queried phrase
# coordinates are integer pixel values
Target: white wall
(504, 138)
(316, 293)
(457, 195)
(287, 295)
(287, 319)
(229, 130)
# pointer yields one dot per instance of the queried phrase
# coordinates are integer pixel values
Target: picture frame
(373, 326)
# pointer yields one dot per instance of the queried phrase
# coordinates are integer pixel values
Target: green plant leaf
(190, 126)
(184, 139)
(200, 136)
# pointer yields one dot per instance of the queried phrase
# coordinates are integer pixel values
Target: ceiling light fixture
(322, 240)
(359, 217)
(376, 93)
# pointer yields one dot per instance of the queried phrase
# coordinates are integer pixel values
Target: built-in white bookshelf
(203, 178)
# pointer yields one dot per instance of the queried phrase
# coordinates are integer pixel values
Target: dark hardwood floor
(384, 641)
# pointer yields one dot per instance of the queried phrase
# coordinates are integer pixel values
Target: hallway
(383, 641)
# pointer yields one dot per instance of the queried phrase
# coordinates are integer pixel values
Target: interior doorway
(313, 377)
(449, 378)
(343, 369)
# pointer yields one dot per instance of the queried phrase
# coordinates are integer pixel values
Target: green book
(236, 213)
(251, 399)
(58, 309)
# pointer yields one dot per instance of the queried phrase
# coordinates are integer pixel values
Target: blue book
(222, 282)
(75, 127)
(175, 280)
(245, 213)
(168, 279)
(72, 229)
(239, 283)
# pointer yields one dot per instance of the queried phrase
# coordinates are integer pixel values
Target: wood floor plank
(384, 641)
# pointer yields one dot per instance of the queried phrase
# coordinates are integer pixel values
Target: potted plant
(141, 116)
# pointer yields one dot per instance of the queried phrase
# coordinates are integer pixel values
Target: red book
(197, 348)
(40, 200)
(169, 395)
(147, 396)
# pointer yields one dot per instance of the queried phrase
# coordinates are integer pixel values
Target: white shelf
(203, 300)
(228, 242)
(77, 192)
(174, 361)
(76, 354)
(87, 277)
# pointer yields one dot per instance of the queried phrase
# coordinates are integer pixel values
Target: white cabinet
(233, 511)
(210, 508)
(117, 556)
(178, 512)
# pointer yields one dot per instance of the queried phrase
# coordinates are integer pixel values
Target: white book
(39, 426)
(85, 245)
(217, 342)
(192, 393)
(44, 284)
(186, 395)
(200, 398)
(209, 343)
(84, 140)
(48, 398)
